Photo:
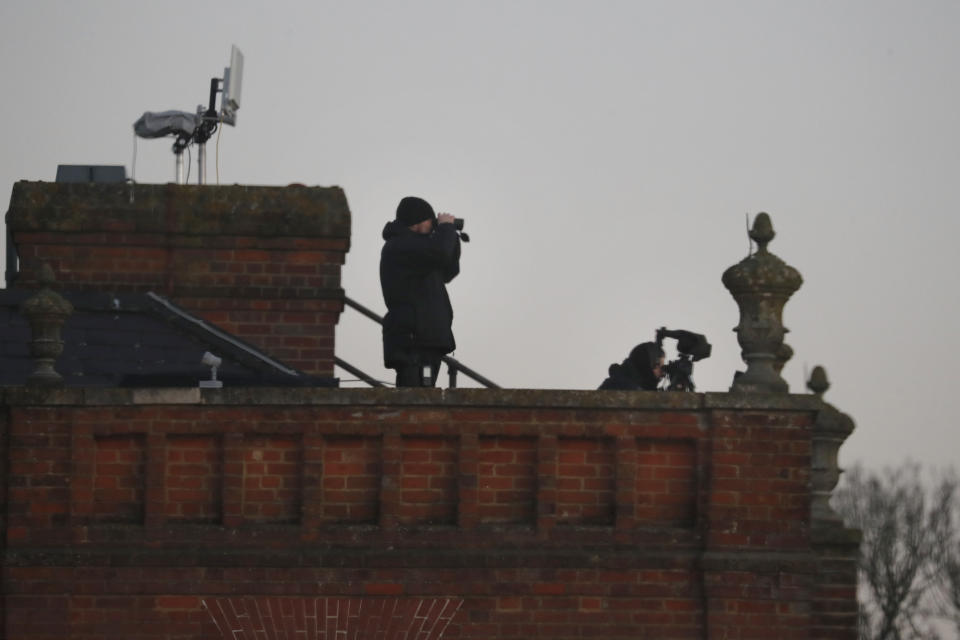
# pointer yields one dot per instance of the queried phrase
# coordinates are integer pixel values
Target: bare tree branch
(947, 497)
(905, 551)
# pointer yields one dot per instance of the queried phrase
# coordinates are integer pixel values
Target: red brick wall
(351, 480)
(193, 479)
(119, 478)
(262, 263)
(507, 479)
(468, 514)
(270, 477)
(667, 482)
(428, 481)
(586, 470)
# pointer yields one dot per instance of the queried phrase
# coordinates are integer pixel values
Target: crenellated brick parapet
(466, 514)
(262, 263)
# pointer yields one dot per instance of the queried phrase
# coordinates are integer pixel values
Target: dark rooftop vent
(91, 173)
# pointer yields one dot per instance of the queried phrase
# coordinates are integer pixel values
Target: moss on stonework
(179, 209)
(395, 398)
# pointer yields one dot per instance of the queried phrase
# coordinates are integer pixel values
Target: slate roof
(143, 340)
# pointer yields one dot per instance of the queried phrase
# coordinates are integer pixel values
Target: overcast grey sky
(604, 154)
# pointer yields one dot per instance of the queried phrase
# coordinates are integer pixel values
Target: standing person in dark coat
(642, 370)
(420, 255)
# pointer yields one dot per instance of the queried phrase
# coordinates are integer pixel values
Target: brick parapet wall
(263, 263)
(4, 473)
(834, 606)
(488, 513)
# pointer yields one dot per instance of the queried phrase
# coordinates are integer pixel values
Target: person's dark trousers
(411, 374)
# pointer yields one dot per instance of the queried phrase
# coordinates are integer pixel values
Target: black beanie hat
(412, 210)
(645, 355)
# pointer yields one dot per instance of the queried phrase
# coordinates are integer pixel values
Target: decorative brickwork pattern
(332, 618)
(607, 518)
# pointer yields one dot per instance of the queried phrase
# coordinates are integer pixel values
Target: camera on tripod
(691, 347)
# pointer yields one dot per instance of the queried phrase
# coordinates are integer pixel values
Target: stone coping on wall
(626, 557)
(487, 398)
(191, 210)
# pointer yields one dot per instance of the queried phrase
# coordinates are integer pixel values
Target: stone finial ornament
(783, 355)
(46, 312)
(818, 382)
(830, 430)
(761, 284)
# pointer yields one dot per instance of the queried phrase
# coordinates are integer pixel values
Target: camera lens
(458, 224)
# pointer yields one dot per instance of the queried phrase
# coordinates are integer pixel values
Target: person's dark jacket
(636, 372)
(414, 269)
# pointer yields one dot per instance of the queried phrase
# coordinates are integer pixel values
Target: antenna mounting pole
(206, 129)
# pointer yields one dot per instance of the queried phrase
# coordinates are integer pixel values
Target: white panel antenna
(197, 128)
(232, 85)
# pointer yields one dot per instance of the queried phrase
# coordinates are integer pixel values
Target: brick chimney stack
(262, 263)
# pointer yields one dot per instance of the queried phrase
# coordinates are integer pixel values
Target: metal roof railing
(453, 365)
